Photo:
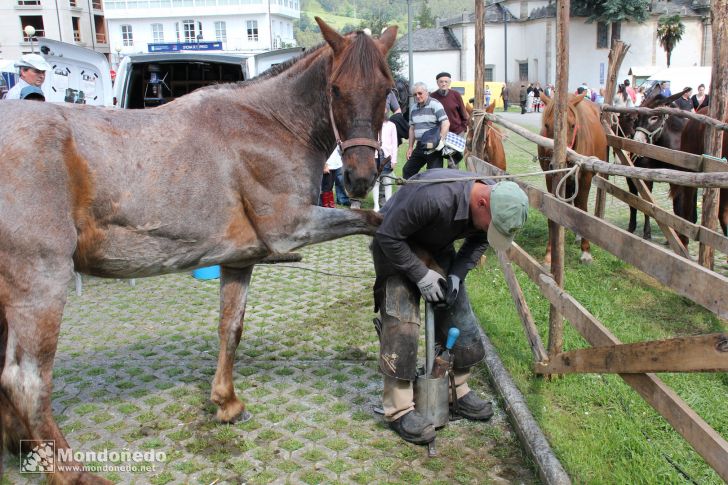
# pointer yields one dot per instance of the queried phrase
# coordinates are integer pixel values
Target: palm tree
(669, 32)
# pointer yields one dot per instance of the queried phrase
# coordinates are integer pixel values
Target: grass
(601, 430)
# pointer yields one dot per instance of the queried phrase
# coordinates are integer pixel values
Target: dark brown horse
(586, 136)
(226, 175)
(665, 131)
(487, 139)
(692, 141)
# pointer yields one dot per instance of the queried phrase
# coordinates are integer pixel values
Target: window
(220, 31)
(602, 35)
(30, 3)
(157, 33)
(127, 38)
(75, 23)
(72, 3)
(523, 71)
(252, 30)
(36, 21)
(188, 27)
(488, 74)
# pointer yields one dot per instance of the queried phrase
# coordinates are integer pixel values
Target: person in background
(504, 97)
(392, 103)
(414, 254)
(537, 97)
(427, 117)
(488, 95)
(334, 165)
(665, 89)
(454, 106)
(388, 138)
(640, 96)
(32, 93)
(700, 100)
(622, 99)
(630, 91)
(684, 102)
(522, 98)
(32, 68)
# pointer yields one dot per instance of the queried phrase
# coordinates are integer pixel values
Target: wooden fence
(634, 362)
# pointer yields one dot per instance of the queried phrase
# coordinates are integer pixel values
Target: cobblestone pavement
(134, 367)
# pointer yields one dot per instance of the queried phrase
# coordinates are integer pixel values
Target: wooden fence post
(718, 110)
(616, 56)
(558, 160)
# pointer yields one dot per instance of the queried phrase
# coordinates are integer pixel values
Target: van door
(79, 75)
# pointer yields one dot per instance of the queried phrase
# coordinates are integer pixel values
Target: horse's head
(650, 128)
(572, 126)
(359, 82)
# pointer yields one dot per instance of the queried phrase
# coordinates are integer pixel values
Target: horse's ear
(546, 100)
(673, 98)
(577, 99)
(332, 37)
(386, 40)
(490, 108)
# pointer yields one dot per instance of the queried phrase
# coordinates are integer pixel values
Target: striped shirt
(427, 116)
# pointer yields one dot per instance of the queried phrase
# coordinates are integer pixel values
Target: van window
(158, 82)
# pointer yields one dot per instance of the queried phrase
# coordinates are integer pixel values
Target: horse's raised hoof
(586, 258)
(233, 411)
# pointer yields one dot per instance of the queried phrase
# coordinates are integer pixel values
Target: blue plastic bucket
(208, 273)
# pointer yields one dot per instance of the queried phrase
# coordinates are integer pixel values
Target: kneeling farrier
(413, 254)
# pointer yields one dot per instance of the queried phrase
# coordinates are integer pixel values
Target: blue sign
(601, 73)
(184, 46)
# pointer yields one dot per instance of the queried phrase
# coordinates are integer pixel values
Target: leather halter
(654, 134)
(352, 142)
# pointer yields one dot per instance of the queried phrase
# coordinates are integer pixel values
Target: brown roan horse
(226, 175)
(485, 140)
(586, 136)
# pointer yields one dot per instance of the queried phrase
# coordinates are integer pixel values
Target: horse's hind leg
(233, 297)
(32, 307)
(581, 202)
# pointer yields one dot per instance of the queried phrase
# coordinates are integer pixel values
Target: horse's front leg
(318, 224)
(233, 297)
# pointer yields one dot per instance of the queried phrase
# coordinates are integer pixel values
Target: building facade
(520, 44)
(233, 25)
(79, 22)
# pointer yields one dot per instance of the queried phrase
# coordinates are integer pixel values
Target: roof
(686, 8)
(643, 71)
(429, 40)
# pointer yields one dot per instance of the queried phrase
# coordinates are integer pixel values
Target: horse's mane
(363, 56)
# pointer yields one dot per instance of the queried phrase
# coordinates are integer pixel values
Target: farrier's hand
(409, 152)
(440, 145)
(431, 286)
(453, 288)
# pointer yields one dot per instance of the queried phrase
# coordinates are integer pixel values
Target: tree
(611, 11)
(669, 32)
(424, 18)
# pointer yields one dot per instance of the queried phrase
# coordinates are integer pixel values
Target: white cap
(35, 61)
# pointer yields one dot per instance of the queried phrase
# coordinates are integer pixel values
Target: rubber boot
(328, 199)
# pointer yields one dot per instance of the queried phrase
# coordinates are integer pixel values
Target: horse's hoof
(586, 258)
(233, 412)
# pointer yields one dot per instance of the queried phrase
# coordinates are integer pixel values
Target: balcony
(28, 4)
(101, 38)
(97, 5)
(38, 33)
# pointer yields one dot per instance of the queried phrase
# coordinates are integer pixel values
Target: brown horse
(693, 141)
(226, 175)
(586, 136)
(488, 140)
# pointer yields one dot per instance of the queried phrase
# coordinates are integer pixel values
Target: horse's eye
(335, 90)
(654, 119)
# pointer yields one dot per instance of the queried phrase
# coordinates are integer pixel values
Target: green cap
(508, 212)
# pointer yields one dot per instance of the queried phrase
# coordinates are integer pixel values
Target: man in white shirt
(32, 73)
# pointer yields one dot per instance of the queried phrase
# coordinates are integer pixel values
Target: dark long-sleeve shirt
(455, 109)
(432, 216)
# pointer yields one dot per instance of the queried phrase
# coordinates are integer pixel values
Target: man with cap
(428, 128)
(454, 106)
(32, 73)
(414, 255)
